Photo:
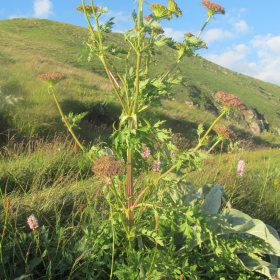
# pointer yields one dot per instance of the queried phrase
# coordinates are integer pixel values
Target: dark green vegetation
(29, 47)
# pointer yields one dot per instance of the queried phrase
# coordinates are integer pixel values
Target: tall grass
(256, 192)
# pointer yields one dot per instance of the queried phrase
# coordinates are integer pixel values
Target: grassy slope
(31, 46)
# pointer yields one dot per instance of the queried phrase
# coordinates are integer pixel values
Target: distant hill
(32, 46)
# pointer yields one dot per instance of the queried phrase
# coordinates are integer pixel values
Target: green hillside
(31, 46)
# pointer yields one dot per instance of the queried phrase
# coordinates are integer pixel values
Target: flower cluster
(156, 166)
(213, 8)
(240, 167)
(230, 100)
(88, 9)
(51, 79)
(108, 166)
(224, 131)
(32, 222)
(146, 152)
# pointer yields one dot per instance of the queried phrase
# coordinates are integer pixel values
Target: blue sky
(246, 39)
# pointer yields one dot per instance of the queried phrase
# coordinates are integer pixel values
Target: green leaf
(243, 223)
(107, 27)
(25, 276)
(33, 263)
(173, 8)
(161, 11)
(212, 202)
(200, 129)
(260, 266)
(184, 193)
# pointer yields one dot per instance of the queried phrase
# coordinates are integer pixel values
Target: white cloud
(241, 26)
(231, 59)
(266, 43)
(42, 8)
(265, 67)
(216, 34)
(176, 35)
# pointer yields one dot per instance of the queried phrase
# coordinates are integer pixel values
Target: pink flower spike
(156, 166)
(240, 167)
(32, 222)
(146, 152)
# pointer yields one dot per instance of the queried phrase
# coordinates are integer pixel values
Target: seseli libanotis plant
(161, 226)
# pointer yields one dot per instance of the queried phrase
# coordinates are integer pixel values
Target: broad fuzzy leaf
(212, 202)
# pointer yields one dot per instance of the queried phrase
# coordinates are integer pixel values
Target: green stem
(208, 131)
(113, 244)
(139, 56)
(204, 25)
(156, 181)
(214, 145)
(101, 50)
(66, 122)
(173, 66)
(129, 190)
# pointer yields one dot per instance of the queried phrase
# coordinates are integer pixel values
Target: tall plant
(135, 89)
(152, 210)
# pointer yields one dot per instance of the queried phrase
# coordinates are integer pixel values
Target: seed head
(108, 166)
(51, 79)
(8, 203)
(230, 100)
(32, 222)
(224, 131)
(213, 8)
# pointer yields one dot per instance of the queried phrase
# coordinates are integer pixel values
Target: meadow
(115, 192)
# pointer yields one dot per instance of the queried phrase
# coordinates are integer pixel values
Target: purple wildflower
(156, 166)
(32, 222)
(146, 152)
(240, 167)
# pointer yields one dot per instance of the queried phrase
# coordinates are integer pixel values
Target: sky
(246, 39)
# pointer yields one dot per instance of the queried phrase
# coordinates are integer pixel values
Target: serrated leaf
(174, 9)
(161, 11)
